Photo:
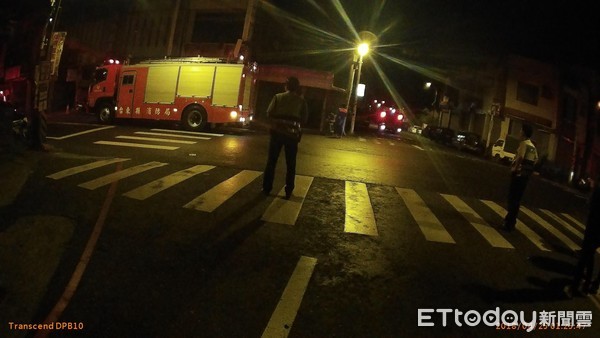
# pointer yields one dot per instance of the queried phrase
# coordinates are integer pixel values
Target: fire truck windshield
(100, 75)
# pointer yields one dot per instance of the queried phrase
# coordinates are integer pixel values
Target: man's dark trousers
(515, 193)
(290, 146)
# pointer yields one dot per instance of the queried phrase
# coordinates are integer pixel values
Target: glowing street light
(363, 49)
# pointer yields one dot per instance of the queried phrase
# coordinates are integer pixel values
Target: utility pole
(174, 17)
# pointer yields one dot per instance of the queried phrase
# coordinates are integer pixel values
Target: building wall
(532, 89)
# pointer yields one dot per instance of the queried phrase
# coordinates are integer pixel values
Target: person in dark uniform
(521, 169)
(286, 112)
(341, 121)
(591, 241)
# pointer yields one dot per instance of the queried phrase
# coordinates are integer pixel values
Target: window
(127, 80)
(100, 75)
(528, 93)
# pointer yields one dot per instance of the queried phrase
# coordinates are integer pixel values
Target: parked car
(443, 136)
(468, 141)
(416, 129)
(505, 149)
(429, 131)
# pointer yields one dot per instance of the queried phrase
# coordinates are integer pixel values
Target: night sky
(441, 34)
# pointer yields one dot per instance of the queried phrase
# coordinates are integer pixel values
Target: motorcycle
(19, 130)
(331, 120)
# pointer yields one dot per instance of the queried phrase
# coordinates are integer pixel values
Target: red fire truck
(195, 91)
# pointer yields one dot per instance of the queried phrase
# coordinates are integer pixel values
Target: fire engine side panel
(196, 81)
(226, 90)
(161, 84)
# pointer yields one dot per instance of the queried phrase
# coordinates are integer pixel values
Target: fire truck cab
(195, 91)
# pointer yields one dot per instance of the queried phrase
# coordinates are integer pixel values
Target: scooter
(331, 120)
(25, 131)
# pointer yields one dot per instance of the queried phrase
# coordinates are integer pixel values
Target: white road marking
(85, 167)
(430, 226)
(286, 211)
(391, 143)
(172, 135)
(212, 199)
(563, 223)
(283, 317)
(489, 233)
(108, 179)
(79, 133)
(135, 145)
(187, 132)
(520, 226)
(154, 139)
(377, 141)
(416, 146)
(568, 242)
(573, 220)
(166, 182)
(361, 139)
(360, 218)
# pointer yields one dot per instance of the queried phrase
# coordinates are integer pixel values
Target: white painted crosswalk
(544, 228)
(163, 183)
(430, 225)
(360, 218)
(490, 234)
(286, 211)
(215, 197)
(158, 139)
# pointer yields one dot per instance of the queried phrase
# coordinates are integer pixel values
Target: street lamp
(362, 49)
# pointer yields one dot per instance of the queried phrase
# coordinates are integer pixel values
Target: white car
(416, 129)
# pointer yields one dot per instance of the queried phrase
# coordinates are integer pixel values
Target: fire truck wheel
(105, 114)
(194, 118)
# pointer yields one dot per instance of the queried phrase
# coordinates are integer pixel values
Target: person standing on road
(591, 241)
(341, 121)
(521, 169)
(286, 112)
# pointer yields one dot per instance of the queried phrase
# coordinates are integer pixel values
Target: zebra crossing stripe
(212, 199)
(360, 218)
(82, 168)
(490, 234)
(283, 317)
(430, 226)
(80, 133)
(135, 145)
(154, 139)
(166, 182)
(573, 220)
(563, 223)
(172, 135)
(108, 179)
(187, 132)
(520, 226)
(568, 242)
(286, 211)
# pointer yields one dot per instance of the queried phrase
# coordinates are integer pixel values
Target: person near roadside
(521, 170)
(286, 113)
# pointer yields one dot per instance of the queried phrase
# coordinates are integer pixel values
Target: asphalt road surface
(139, 230)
